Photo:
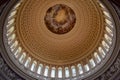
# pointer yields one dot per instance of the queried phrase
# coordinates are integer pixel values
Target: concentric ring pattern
(73, 53)
(50, 48)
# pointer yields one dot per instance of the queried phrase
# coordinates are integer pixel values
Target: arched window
(14, 45)
(33, 66)
(12, 13)
(80, 68)
(17, 52)
(27, 63)
(86, 67)
(110, 32)
(10, 30)
(102, 6)
(11, 21)
(39, 68)
(109, 22)
(46, 71)
(22, 57)
(101, 51)
(106, 14)
(53, 72)
(108, 38)
(67, 73)
(92, 63)
(17, 5)
(105, 45)
(97, 57)
(73, 71)
(11, 38)
(59, 72)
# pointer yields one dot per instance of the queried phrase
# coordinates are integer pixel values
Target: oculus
(60, 19)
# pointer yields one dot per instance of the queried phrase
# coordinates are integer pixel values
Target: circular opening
(60, 19)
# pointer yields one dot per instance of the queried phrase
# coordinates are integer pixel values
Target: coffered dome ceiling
(35, 31)
(59, 36)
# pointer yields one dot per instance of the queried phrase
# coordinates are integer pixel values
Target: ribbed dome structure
(60, 38)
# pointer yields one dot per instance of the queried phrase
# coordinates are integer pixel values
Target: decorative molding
(115, 67)
(7, 71)
(2, 6)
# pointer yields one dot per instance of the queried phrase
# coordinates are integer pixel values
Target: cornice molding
(112, 71)
(6, 72)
